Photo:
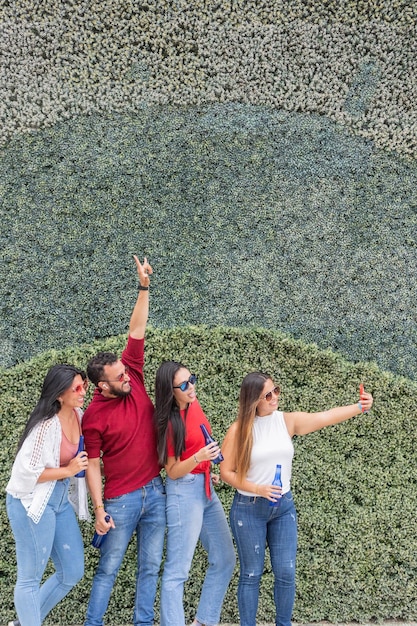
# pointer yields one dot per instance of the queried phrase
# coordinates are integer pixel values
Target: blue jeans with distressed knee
(56, 535)
(255, 524)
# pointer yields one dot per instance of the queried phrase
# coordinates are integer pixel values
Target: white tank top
(272, 445)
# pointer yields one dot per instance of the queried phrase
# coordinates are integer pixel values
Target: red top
(194, 440)
(122, 429)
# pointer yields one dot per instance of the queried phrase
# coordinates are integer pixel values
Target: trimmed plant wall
(354, 484)
(262, 154)
(249, 217)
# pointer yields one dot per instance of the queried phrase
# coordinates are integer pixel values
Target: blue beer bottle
(80, 449)
(97, 539)
(277, 481)
(209, 439)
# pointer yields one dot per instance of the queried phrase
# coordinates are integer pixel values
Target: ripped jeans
(256, 524)
(56, 535)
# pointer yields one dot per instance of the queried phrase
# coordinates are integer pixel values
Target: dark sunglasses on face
(184, 386)
(268, 396)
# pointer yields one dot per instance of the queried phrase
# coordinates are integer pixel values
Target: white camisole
(272, 444)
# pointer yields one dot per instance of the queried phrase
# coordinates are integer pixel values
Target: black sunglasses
(184, 386)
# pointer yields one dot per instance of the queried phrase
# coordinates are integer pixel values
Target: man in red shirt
(119, 432)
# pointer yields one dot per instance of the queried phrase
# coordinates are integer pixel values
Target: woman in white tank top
(262, 512)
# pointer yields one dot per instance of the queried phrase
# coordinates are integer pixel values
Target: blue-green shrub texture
(352, 62)
(249, 216)
(354, 484)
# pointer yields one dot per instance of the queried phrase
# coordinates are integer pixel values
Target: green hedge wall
(249, 217)
(354, 483)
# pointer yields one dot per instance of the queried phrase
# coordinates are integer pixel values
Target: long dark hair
(250, 391)
(57, 380)
(167, 411)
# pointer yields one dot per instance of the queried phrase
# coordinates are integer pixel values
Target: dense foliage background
(249, 216)
(262, 154)
(354, 483)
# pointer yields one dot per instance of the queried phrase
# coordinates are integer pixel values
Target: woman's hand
(270, 492)
(365, 399)
(215, 479)
(209, 452)
(78, 463)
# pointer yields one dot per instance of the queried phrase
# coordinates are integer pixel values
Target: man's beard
(120, 393)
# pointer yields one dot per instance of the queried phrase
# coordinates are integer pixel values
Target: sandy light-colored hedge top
(355, 63)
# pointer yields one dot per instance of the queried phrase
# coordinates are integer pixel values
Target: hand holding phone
(361, 392)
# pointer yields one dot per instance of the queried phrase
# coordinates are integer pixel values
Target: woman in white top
(263, 513)
(40, 513)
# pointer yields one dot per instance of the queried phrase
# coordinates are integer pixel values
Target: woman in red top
(193, 509)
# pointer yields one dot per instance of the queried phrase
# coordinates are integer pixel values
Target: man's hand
(139, 317)
(144, 271)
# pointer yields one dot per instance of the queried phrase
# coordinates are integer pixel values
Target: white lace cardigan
(41, 449)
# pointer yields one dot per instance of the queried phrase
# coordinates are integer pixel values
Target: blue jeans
(254, 524)
(56, 535)
(141, 511)
(191, 515)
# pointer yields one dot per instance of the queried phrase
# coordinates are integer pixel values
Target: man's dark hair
(95, 367)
